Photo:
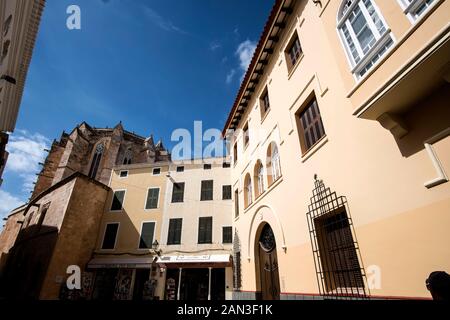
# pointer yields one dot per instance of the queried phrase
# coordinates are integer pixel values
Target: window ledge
(319, 144)
(292, 71)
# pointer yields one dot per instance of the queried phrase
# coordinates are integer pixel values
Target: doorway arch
(266, 263)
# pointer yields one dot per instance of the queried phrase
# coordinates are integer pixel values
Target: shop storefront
(126, 279)
(202, 277)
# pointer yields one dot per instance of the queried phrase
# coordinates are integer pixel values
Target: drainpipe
(179, 284)
(209, 284)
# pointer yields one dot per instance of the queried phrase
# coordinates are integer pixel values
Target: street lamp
(155, 246)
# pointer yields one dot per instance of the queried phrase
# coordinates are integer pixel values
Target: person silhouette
(438, 283)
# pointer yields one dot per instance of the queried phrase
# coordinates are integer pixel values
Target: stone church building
(62, 218)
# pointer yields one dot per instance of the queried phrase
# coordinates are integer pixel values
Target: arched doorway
(267, 264)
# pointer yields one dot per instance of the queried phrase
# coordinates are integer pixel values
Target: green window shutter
(207, 190)
(148, 230)
(174, 235)
(152, 199)
(205, 230)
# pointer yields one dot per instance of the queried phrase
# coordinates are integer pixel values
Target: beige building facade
(197, 230)
(166, 233)
(341, 151)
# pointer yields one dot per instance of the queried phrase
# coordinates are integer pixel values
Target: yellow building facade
(339, 137)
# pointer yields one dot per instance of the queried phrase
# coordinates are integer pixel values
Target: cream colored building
(341, 154)
(151, 231)
(197, 230)
(123, 262)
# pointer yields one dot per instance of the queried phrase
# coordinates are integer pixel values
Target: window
(6, 25)
(259, 178)
(180, 169)
(264, 102)
(227, 234)
(273, 164)
(236, 203)
(174, 235)
(178, 192)
(152, 198)
(235, 153)
(248, 191)
(42, 216)
(415, 8)
(205, 230)
(123, 174)
(207, 190)
(127, 157)
(310, 125)
(246, 135)
(96, 160)
(364, 33)
(293, 52)
(207, 166)
(156, 171)
(226, 165)
(147, 232)
(109, 239)
(117, 202)
(226, 192)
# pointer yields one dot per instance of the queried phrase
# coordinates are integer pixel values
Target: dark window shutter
(178, 192)
(207, 190)
(109, 240)
(312, 125)
(117, 202)
(152, 198)
(205, 230)
(148, 230)
(174, 236)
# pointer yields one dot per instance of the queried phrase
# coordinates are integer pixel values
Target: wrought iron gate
(337, 259)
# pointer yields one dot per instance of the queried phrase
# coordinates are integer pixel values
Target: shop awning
(123, 263)
(195, 261)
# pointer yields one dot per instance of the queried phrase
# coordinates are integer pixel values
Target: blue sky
(154, 65)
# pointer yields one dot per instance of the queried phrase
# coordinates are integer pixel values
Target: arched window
(128, 157)
(364, 33)
(259, 179)
(273, 163)
(248, 199)
(96, 160)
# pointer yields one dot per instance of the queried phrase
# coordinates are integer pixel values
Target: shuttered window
(117, 201)
(178, 192)
(152, 198)
(207, 190)
(293, 51)
(227, 235)
(147, 232)
(109, 240)
(236, 203)
(311, 126)
(205, 230)
(174, 235)
(226, 192)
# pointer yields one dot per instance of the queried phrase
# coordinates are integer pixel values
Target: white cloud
(161, 22)
(230, 76)
(26, 150)
(213, 46)
(8, 202)
(245, 52)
